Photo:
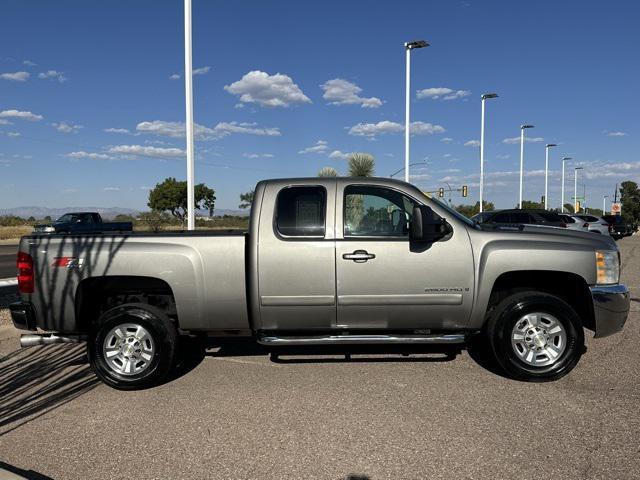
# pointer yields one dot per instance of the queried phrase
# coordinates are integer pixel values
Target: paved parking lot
(237, 413)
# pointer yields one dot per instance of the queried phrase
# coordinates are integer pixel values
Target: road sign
(616, 208)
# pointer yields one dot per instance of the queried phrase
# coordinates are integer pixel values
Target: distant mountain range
(107, 213)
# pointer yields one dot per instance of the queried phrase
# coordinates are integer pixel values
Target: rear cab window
(301, 211)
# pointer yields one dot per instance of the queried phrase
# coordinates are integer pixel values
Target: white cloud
(111, 189)
(321, 146)
(446, 139)
(175, 76)
(616, 134)
(4, 121)
(338, 155)
(92, 156)
(54, 75)
(257, 155)
(221, 130)
(472, 143)
(443, 93)
(15, 76)
(31, 117)
(503, 156)
(147, 151)
(202, 70)
(343, 92)
(29, 63)
(239, 105)
(373, 129)
(117, 130)
(13, 134)
(65, 127)
(267, 90)
(516, 140)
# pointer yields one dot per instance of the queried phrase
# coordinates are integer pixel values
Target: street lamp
(484, 97)
(564, 159)
(522, 129)
(411, 165)
(408, 46)
(575, 189)
(546, 173)
(604, 204)
(188, 87)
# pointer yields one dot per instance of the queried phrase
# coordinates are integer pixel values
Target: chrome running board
(363, 339)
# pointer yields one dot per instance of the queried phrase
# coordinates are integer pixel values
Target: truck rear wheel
(535, 336)
(132, 346)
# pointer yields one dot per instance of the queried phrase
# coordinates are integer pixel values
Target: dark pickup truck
(83, 222)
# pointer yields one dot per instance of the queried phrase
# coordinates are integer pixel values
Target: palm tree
(327, 172)
(361, 165)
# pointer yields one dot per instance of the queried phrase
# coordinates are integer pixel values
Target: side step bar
(363, 339)
(31, 340)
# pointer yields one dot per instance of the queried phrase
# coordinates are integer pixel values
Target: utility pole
(188, 88)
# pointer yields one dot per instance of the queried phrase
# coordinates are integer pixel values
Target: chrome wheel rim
(538, 339)
(128, 349)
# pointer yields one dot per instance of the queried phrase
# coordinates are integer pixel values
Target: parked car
(619, 227)
(595, 224)
(573, 223)
(520, 217)
(83, 222)
(326, 261)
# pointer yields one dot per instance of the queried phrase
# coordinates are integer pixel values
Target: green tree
(470, 210)
(327, 172)
(246, 199)
(154, 219)
(171, 196)
(361, 165)
(630, 198)
(569, 208)
(529, 204)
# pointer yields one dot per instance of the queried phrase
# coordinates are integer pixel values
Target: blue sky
(90, 113)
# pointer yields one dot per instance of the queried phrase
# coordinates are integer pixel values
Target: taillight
(25, 273)
(586, 225)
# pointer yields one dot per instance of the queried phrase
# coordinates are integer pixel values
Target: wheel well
(570, 287)
(96, 295)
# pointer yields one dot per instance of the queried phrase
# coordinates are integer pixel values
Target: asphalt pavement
(237, 413)
(8, 261)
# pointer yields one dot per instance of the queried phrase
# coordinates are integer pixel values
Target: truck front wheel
(132, 346)
(535, 336)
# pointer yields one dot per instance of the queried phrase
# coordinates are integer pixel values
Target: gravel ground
(239, 414)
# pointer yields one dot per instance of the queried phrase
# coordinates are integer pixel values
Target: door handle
(359, 256)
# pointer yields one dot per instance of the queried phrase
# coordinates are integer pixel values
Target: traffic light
(441, 192)
(465, 190)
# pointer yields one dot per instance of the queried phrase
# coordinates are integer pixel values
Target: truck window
(300, 211)
(376, 212)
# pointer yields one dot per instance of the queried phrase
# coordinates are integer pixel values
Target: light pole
(575, 188)
(522, 129)
(604, 204)
(546, 174)
(408, 46)
(564, 159)
(484, 97)
(188, 87)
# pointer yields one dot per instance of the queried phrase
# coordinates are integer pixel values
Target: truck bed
(203, 270)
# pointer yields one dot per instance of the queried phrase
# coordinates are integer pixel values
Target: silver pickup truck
(326, 261)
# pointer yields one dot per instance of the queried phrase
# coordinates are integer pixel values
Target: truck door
(385, 282)
(296, 257)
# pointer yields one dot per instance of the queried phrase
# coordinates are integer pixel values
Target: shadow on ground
(37, 380)
(10, 472)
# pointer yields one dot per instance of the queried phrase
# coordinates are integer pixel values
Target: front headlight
(607, 267)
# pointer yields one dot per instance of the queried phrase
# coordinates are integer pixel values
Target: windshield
(455, 213)
(67, 218)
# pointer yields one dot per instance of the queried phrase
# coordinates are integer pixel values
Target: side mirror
(426, 226)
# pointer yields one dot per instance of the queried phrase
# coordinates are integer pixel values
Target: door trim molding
(410, 299)
(297, 300)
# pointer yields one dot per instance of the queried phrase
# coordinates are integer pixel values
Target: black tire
(502, 320)
(163, 334)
